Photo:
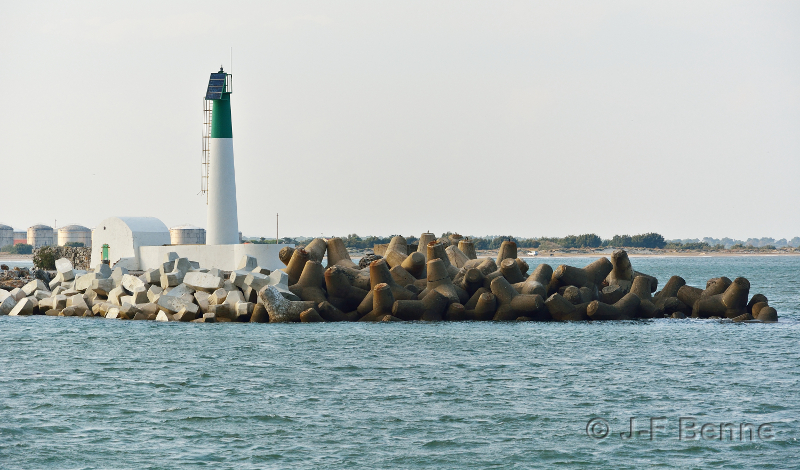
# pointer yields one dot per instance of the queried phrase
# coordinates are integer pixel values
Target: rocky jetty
(440, 280)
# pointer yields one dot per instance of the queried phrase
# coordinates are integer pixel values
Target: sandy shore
(9, 257)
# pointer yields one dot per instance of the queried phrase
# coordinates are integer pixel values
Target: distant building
(20, 237)
(40, 235)
(187, 235)
(6, 235)
(74, 233)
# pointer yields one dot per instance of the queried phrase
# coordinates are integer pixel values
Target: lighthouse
(142, 243)
(219, 172)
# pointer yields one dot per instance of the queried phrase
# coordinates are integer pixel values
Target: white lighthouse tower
(220, 175)
(142, 243)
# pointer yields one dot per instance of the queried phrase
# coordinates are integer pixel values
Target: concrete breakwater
(443, 280)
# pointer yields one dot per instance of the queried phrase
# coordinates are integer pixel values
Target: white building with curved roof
(124, 236)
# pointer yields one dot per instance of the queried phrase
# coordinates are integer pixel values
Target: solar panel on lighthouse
(215, 86)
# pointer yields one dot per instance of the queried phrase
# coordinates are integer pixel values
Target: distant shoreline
(642, 254)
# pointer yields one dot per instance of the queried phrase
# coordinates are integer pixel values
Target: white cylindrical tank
(74, 233)
(187, 235)
(40, 235)
(6, 235)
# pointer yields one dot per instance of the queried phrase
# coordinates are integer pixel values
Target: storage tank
(40, 235)
(187, 235)
(6, 235)
(74, 233)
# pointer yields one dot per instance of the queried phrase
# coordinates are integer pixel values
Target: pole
(277, 227)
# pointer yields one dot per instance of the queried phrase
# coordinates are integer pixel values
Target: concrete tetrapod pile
(442, 281)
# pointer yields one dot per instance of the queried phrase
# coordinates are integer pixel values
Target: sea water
(96, 394)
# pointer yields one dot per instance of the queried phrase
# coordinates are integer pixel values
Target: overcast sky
(524, 118)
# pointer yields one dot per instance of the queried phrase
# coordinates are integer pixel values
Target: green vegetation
(45, 258)
(645, 240)
(18, 249)
(688, 246)
(587, 240)
(354, 241)
(494, 243)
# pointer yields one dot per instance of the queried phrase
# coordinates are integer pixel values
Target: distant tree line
(587, 240)
(645, 240)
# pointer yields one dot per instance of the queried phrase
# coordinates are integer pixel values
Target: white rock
(152, 276)
(33, 286)
(23, 307)
(46, 304)
(118, 272)
(164, 316)
(41, 294)
(183, 265)
(180, 290)
(233, 297)
(18, 294)
(237, 278)
(64, 267)
(85, 282)
(166, 267)
(55, 282)
(174, 304)
(103, 271)
(247, 263)
(78, 303)
(170, 279)
(59, 301)
(153, 293)
(257, 281)
(115, 295)
(244, 308)
(218, 297)
(7, 305)
(130, 282)
(139, 296)
(203, 281)
(103, 286)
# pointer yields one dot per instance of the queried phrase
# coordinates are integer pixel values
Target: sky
(378, 118)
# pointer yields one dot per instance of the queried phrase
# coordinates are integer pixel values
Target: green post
(104, 257)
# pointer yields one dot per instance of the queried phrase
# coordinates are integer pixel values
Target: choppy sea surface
(94, 394)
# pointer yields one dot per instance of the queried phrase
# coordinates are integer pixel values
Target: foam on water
(81, 393)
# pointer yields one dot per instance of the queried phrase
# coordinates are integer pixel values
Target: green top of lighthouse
(218, 93)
